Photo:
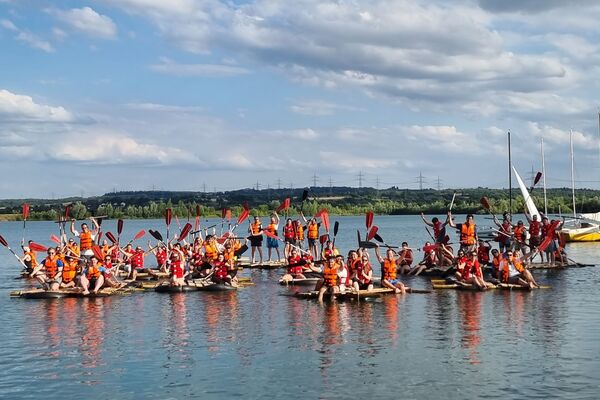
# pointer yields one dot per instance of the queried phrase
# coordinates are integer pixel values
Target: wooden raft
(378, 292)
(442, 284)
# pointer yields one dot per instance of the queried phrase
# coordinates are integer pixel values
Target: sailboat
(584, 227)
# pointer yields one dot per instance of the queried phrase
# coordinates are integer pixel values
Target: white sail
(531, 208)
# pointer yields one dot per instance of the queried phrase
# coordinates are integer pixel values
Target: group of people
(91, 266)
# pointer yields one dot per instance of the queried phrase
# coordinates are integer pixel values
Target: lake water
(259, 342)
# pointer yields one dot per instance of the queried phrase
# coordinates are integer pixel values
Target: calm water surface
(259, 342)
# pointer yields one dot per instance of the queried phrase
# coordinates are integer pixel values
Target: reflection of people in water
(391, 317)
(469, 307)
(93, 336)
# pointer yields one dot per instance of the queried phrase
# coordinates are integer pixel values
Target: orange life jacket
(467, 234)
(255, 228)
(272, 228)
(229, 255)
(389, 269)
(85, 241)
(31, 263)
(313, 230)
(70, 271)
(105, 249)
(505, 269)
(496, 260)
(210, 251)
(300, 232)
(93, 272)
(519, 233)
(51, 267)
(330, 274)
(75, 249)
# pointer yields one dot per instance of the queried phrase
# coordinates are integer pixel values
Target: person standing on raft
(468, 233)
(86, 237)
(256, 238)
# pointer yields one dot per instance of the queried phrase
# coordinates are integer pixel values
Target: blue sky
(136, 94)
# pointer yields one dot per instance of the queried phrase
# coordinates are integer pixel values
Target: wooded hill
(338, 200)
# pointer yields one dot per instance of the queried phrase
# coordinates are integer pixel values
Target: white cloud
(319, 108)
(170, 67)
(164, 108)
(16, 107)
(88, 22)
(27, 37)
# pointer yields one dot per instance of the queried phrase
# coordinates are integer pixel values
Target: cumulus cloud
(87, 21)
(319, 108)
(16, 107)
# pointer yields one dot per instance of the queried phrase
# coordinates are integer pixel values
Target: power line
(420, 180)
(278, 184)
(315, 179)
(360, 177)
(438, 183)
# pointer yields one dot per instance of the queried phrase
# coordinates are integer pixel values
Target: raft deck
(348, 295)
(443, 284)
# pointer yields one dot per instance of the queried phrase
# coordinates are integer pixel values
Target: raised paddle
(98, 253)
(112, 237)
(336, 227)
(452, 202)
(304, 197)
(372, 232)
(325, 220)
(486, 204)
(323, 239)
(119, 230)
(358, 237)
(25, 216)
(5, 244)
(184, 232)
(197, 220)
(55, 239)
(37, 247)
(168, 216)
(137, 236)
(380, 240)
(156, 235)
(537, 178)
(243, 216)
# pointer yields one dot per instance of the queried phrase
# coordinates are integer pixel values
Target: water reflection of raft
(46, 294)
(264, 265)
(362, 294)
(454, 285)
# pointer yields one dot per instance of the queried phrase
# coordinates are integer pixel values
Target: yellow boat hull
(580, 235)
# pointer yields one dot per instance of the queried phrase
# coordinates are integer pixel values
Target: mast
(572, 172)
(509, 179)
(544, 178)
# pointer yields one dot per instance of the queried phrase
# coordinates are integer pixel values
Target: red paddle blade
(3, 241)
(288, 202)
(243, 216)
(99, 237)
(223, 212)
(139, 235)
(325, 220)
(197, 211)
(111, 237)
(372, 232)
(246, 206)
(369, 220)
(228, 215)
(321, 212)
(98, 253)
(281, 206)
(25, 210)
(119, 227)
(197, 223)
(177, 220)
(168, 216)
(55, 239)
(67, 210)
(223, 238)
(271, 235)
(185, 231)
(37, 247)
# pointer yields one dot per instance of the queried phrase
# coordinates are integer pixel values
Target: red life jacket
(471, 268)
(483, 254)
(535, 228)
(360, 267)
(220, 269)
(289, 232)
(294, 269)
(161, 257)
(137, 260)
(177, 269)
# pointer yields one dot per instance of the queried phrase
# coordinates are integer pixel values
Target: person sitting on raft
(220, 273)
(460, 263)
(295, 267)
(177, 269)
(109, 272)
(405, 259)
(344, 276)
(70, 271)
(496, 259)
(52, 275)
(472, 273)
(329, 250)
(513, 272)
(160, 253)
(91, 276)
(28, 260)
(429, 261)
(329, 284)
(363, 274)
(388, 271)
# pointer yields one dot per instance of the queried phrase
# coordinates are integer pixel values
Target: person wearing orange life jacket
(520, 234)
(483, 252)
(300, 233)
(230, 259)
(330, 281)
(256, 238)
(389, 266)
(496, 259)
(29, 259)
(289, 237)
(312, 228)
(513, 272)
(70, 270)
(86, 237)
(467, 231)
(91, 276)
(52, 275)
(273, 243)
